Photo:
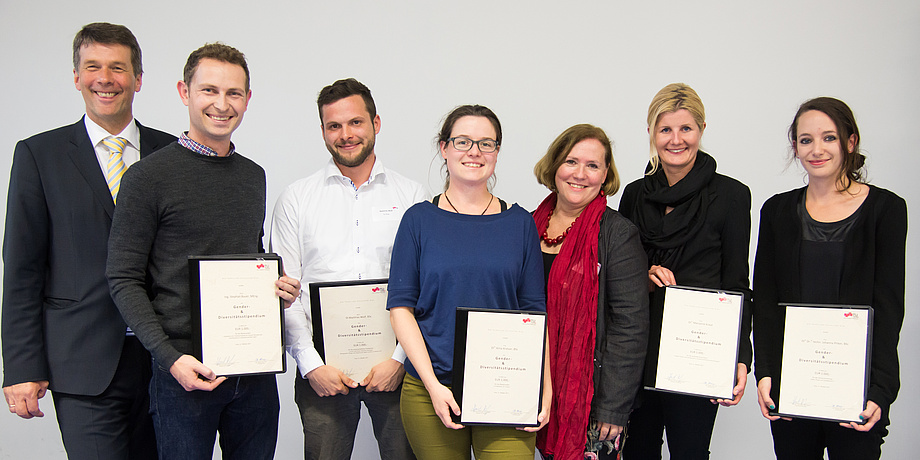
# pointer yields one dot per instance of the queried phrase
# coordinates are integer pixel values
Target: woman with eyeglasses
(597, 297)
(695, 226)
(464, 248)
(835, 241)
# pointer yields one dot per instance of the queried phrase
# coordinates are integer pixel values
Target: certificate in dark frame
(461, 337)
(316, 308)
(195, 291)
(776, 383)
(650, 377)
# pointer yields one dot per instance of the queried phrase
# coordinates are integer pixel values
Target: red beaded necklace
(554, 241)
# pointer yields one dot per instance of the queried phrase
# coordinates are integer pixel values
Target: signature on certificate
(675, 377)
(481, 410)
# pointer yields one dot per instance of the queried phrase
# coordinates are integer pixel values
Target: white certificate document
(502, 371)
(351, 325)
(698, 352)
(825, 362)
(240, 317)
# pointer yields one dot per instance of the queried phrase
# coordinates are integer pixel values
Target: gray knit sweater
(174, 204)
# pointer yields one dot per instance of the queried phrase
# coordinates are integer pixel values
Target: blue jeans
(244, 410)
(329, 423)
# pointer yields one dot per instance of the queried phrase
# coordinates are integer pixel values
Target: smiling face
(217, 99)
(106, 79)
(581, 175)
(818, 146)
(471, 167)
(349, 131)
(677, 140)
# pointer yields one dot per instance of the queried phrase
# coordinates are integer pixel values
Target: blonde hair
(672, 98)
(555, 156)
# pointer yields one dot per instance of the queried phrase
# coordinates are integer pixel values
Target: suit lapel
(83, 155)
(149, 142)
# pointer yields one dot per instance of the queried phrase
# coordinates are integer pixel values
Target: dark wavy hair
(852, 169)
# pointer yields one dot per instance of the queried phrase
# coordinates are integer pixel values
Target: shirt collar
(378, 172)
(97, 133)
(198, 147)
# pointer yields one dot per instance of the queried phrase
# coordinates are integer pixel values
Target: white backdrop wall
(542, 66)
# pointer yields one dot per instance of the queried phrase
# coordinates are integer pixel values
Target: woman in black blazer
(695, 226)
(836, 241)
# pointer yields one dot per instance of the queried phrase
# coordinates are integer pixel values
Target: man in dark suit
(60, 328)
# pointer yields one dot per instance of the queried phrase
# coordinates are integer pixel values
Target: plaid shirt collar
(196, 147)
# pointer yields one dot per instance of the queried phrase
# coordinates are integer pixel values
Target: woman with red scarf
(597, 298)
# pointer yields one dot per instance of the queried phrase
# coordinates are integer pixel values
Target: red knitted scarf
(571, 307)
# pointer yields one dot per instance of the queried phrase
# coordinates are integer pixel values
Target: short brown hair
(107, 34)
(342, 89)
(558, 151)
(219, 52)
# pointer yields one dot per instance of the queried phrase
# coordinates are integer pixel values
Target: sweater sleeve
(625, 305)
(888, 300)
(134, 228)
(736, 242)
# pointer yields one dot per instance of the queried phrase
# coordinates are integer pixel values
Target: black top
(822, 255)
(501, 202)
(547, 265)
(716, 257)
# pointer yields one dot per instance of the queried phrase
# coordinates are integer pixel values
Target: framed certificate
(498, 366)
(351, 325)
(237, 320)
(698, 346)
(827, 353)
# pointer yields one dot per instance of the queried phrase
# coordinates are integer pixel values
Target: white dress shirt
(325, 229)
(97, 133)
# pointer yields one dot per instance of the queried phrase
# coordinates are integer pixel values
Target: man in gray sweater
(194, 197)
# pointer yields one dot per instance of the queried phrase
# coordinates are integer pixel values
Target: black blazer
(59, 322)
(873, 274)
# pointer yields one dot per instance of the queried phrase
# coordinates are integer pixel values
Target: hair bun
(859, 161)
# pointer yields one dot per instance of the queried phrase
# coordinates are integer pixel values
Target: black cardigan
(873, 274)
(716, 258)
(622, 319)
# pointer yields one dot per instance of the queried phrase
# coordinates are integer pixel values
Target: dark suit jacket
(59, 321)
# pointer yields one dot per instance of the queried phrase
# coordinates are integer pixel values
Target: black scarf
(664, 235)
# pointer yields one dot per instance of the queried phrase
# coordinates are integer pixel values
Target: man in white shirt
(339, 224)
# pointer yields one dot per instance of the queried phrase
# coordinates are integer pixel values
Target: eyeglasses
(465, 144)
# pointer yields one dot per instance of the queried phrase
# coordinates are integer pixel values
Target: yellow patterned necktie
(116, 165)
